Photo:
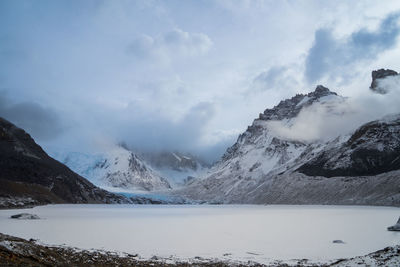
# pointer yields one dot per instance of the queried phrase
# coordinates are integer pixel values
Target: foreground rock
(389, 256)
(395, 227)
(20, 252)
(25, 216)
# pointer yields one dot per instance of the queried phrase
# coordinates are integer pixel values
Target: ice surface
(246, 232)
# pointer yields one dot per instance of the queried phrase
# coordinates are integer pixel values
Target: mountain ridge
(263, 167)
(29, 176)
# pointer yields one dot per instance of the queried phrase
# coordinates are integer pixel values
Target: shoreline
(15, 251)
(30, 252)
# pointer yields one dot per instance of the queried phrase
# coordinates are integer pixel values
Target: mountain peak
(321, 89)
(289, 108)
(380, 74)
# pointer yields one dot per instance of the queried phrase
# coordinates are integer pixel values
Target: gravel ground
(16, 251)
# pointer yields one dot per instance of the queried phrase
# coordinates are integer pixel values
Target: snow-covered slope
(118, 167)
(272, 163)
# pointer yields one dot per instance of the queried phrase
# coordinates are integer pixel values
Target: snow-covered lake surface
(227, 232)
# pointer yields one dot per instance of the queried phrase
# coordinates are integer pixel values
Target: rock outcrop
(395, 227)
(372, 149)
(378, 75)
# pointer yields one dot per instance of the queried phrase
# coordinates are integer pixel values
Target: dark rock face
(373, 149)
(290, 108)
(28, 172)
(380, 74)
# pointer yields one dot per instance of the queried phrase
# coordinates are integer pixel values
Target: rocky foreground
(16, 251)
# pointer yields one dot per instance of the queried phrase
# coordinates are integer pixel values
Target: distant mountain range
(119, 168)
(268, 167)
(272, 162)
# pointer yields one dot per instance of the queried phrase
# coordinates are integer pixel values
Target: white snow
(176, 156)
(229, 232)
(117, 167)
(304, 100)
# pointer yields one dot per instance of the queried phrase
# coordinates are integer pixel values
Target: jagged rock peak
(320, 89)
(289, 108)
(380, 74)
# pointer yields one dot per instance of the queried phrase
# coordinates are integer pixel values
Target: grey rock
(25, 216)
(380, 74)
(338, 241)
(395, 227)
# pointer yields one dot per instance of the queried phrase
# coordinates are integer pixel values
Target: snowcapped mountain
(279, 160)
(179, 168)
(118, 167)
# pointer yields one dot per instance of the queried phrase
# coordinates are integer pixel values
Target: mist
(322, 122)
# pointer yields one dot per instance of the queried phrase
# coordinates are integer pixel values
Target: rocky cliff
(28, 176)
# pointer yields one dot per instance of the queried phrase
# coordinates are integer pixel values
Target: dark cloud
(268, 79)
(153, 131)
(329, 54)
(42, 123)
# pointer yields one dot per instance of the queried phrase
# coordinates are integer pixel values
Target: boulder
(338, 241)
(395, 227)
(25, 216)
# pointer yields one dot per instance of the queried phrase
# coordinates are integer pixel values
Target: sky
(179, 75)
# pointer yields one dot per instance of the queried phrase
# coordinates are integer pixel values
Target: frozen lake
(227, 232)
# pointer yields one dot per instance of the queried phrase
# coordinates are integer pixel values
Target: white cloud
(171, 46)
(324, 121)
(125, 68)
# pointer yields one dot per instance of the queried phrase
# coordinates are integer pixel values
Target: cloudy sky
(179, 75)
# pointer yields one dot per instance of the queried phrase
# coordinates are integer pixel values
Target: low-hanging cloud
(154, 131)
(42, 122)
(140, 129)
(324, 121)
(331, 56)
(276, 78)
